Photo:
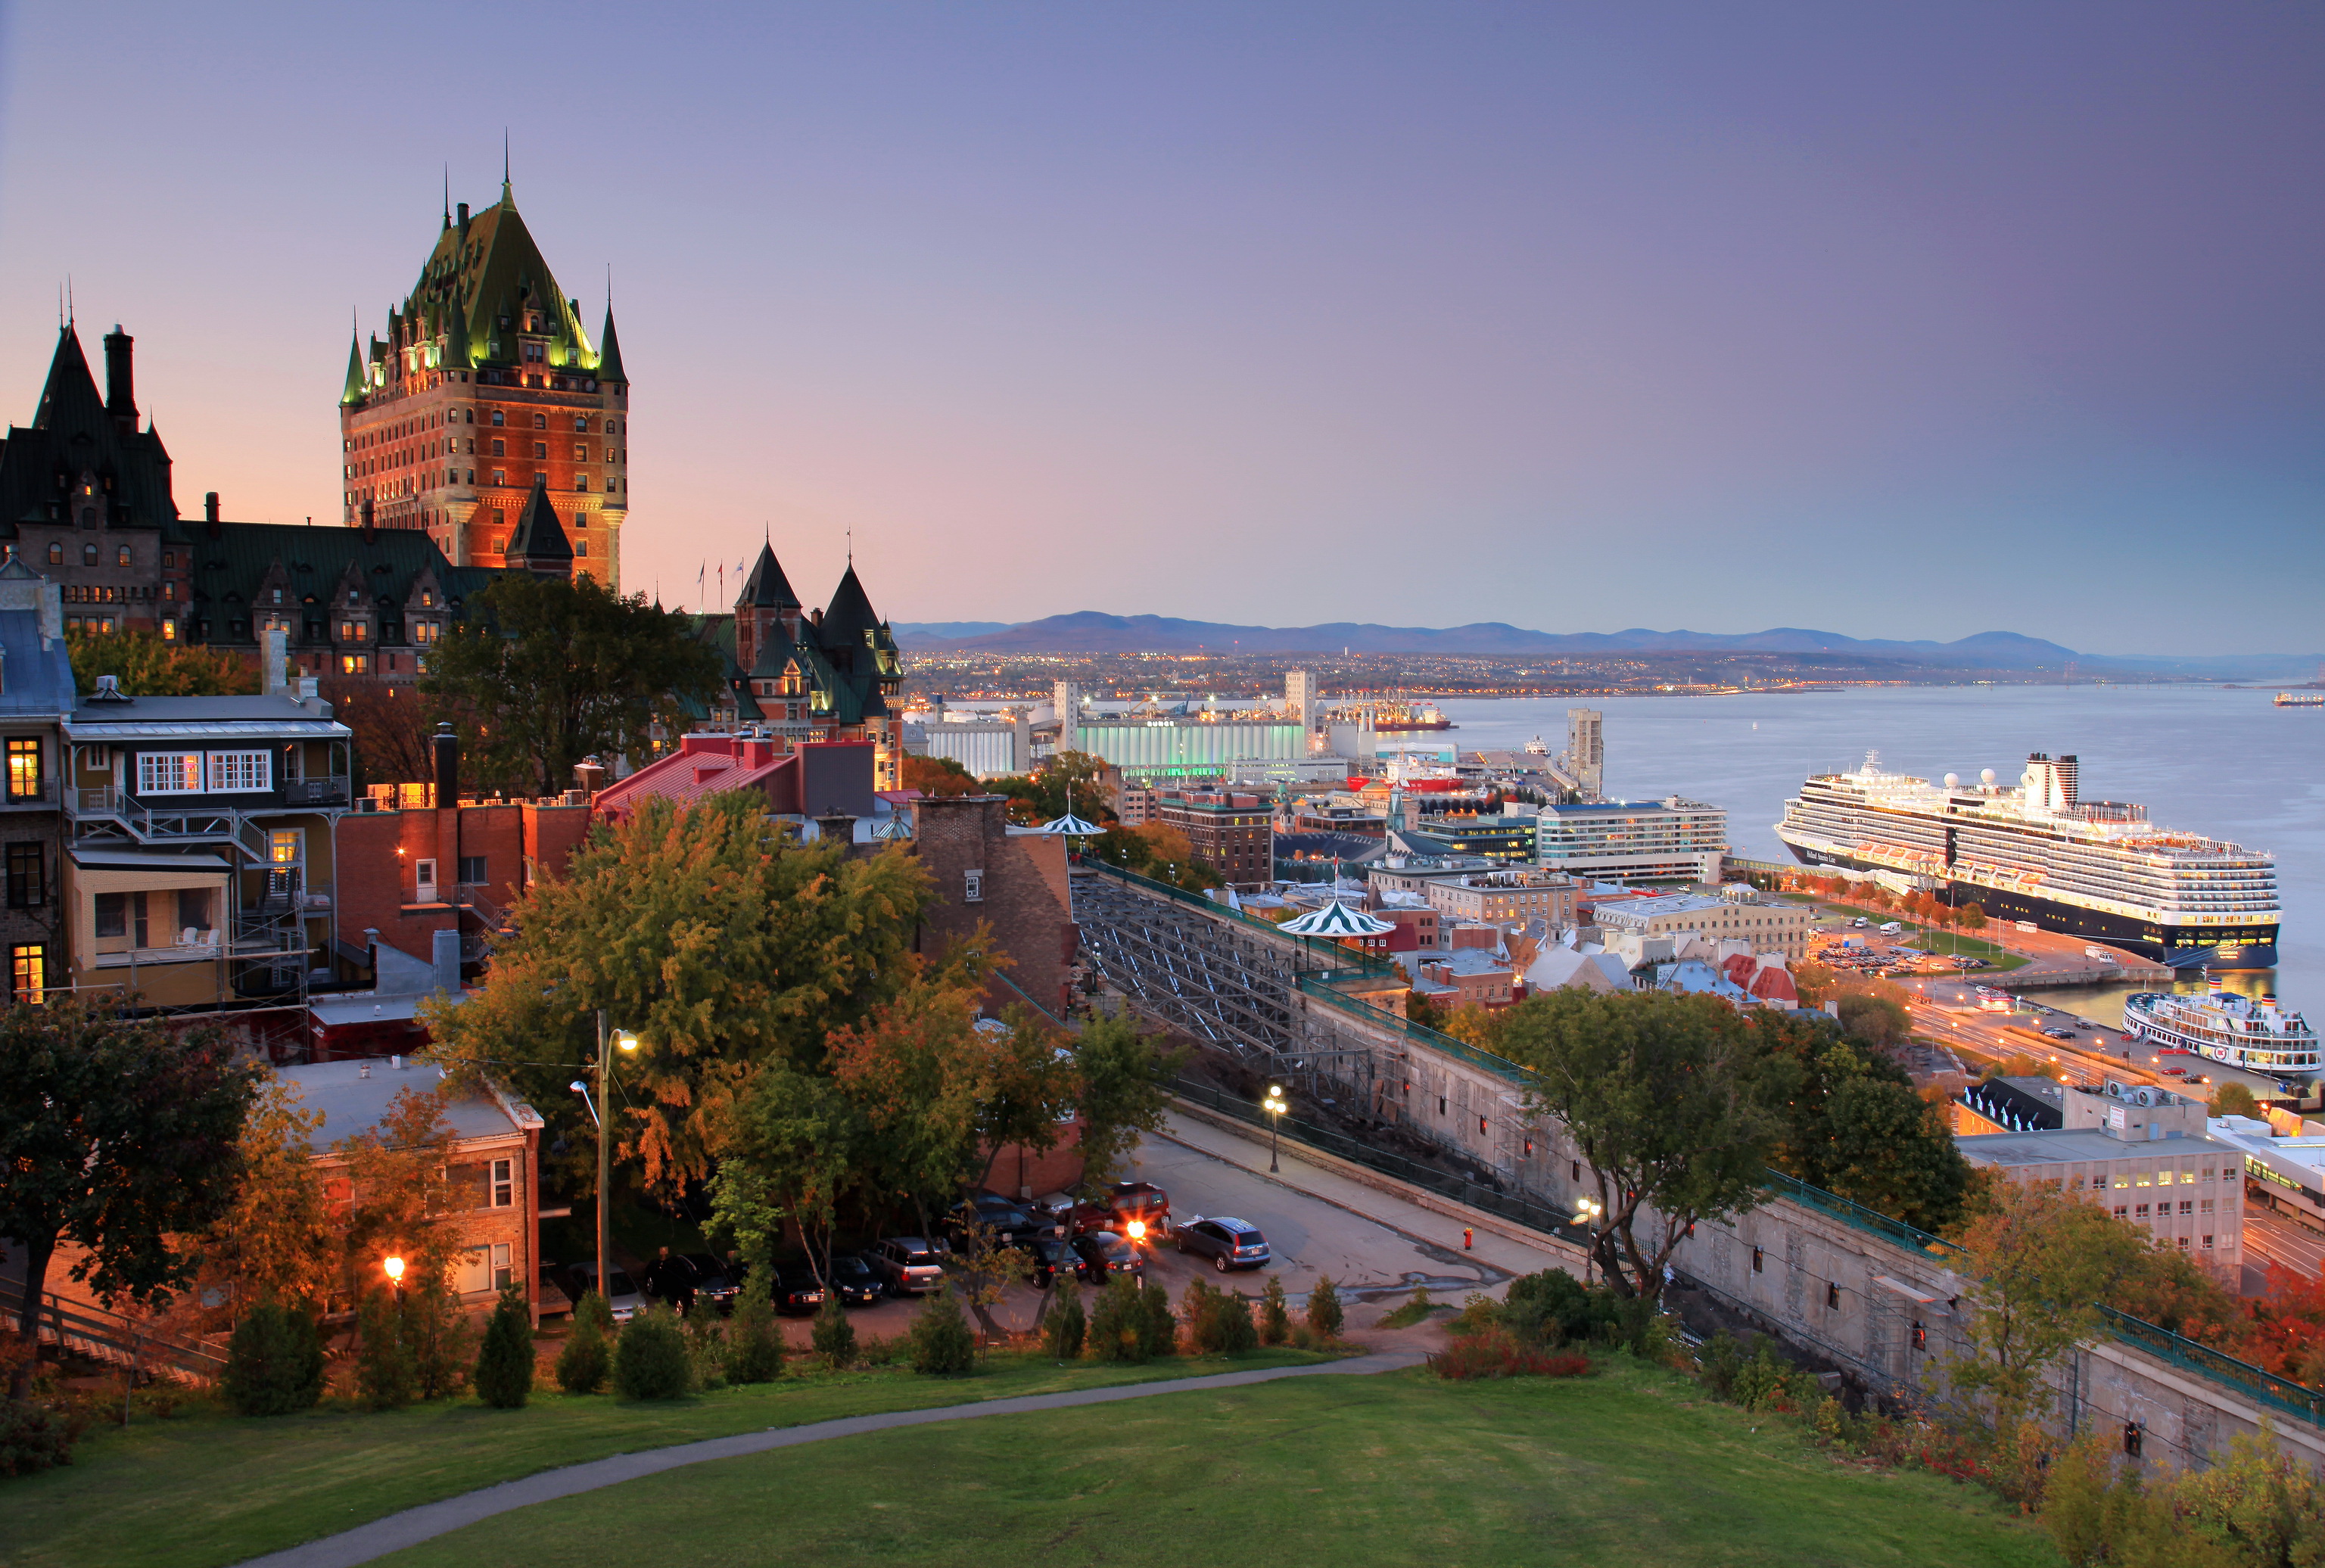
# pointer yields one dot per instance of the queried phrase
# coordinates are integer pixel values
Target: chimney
(210, 513)
(120, 387)
(273, 656)
(367, 522)
(464, 219)
(838, 828)
(588, 776)
(447, 747)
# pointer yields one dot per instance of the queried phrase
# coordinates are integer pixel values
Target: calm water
(2201, 760)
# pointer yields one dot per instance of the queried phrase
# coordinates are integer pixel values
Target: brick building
(486, 387)
(1505, 897)
(1012, 881)
(36, 693)
(1233, 834)
(1772, 927)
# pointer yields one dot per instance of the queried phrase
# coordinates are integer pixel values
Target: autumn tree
(145, 665)
(392, 724)
(938, 776)
(397, 1193)
(276, 1239)
(1673, 1104)
(2233, 1099)
(1874, 1014)
(1125, 1088)
(1074, 779)
(115, 1136)
(557, 670)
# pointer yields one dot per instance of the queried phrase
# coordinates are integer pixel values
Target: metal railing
(109, 1336)
(315, 792)
(1322, 948)
(2263, 1388)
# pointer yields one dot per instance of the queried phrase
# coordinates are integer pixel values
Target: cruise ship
(2224, 1027)
(2037, 852)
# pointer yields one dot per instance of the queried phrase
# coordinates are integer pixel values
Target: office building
(1501, 898)
(1774, 927)
(1233, 834)
(1674, 840)
(1184, 748)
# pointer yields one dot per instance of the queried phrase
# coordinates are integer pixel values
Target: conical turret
(353, 391)
(539, 545)
(609, 351)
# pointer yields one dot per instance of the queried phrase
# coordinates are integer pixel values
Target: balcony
(40, 793)
(315, 792)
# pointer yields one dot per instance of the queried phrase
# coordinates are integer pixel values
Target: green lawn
(1623, 1469)
(205, 1489)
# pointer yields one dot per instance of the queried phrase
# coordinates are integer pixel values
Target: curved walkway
(366, 1543)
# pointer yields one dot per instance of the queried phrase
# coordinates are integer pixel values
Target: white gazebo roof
(1336, 919)
(1071, 826)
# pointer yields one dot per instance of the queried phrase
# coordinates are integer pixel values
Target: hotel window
(2186, 1205)
(56, 555)
(169, 772)
(24, 769)
(500, 476)
(541, 421)
(540, 451)
(2140, 1213)
(354, 631)
(496, 417)
(29, 967)
(500, 448)
(423, 632)
(88, 555)
(28, 876)
(241, 771)
(355, 663)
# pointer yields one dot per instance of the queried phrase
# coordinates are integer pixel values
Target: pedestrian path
(366, 1542)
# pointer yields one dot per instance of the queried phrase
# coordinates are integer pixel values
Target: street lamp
(394, 1267)
(1587, 1211)
(1275, 1106)
(628, 1041)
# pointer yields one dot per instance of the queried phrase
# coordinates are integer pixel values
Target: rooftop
(354, 1096)
(2058, 1147)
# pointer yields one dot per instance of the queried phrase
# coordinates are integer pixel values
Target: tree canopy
(1855, 1125)
(556, 670)
(938, 776)
(145, 665)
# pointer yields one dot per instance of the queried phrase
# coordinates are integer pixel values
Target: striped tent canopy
(1071, 826)
(1336, 919)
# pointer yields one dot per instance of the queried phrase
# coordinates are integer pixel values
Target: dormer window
(354, 597)
(276, 597)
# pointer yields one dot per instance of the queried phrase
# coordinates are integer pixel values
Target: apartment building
(1505, 897)
(1233, 834)
(1769, 927)
(1671, 840)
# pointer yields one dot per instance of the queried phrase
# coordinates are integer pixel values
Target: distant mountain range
(1092, 632)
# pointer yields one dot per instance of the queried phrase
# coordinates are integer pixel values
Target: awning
(91, 858)
(1909, 1293)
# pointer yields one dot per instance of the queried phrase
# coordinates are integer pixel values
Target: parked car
(906, 1265)
(1228, 1242)
(1101, 1253)
(854, 1279)
(797, 1290)
(717, 1283)
(1012, 1224)
(1051, 1255)
(622, 1292)
(1140, 1211)
(2059, 1033)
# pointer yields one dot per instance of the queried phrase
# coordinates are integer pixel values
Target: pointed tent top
(767, 587)
(609, 348)
(540, 544)
(1336, 918)
(1069, 826)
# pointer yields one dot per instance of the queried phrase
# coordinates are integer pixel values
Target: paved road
(366, 1542)
(2280, 1240)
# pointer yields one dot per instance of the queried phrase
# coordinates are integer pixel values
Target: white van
(1893, 928)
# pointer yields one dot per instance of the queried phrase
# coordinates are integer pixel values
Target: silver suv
(1228, 1242)
(906, 1265)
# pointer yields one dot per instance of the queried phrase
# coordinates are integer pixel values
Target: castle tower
(486, 387)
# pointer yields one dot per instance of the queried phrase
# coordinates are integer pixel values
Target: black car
(1101, 1253)
(717, 1284)
(854, 1279)
(1011, 1224)
(1229, 1243)
(1051, 1255)
(798, 1293)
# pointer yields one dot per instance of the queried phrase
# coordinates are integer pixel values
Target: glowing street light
(627, 1040)
(1275, 1106)
(1587, 1214)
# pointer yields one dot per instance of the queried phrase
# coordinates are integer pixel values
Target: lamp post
(394, 1267)
(606, 1041)
(1587, 1211)
(1275, 1106)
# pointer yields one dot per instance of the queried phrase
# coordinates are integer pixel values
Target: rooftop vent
(108, 689)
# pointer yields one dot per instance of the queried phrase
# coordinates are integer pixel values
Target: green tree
(2234, 1100)
(274, 1362)
(1158, 1329)
(583, 1363)
(939, 1339)
(442, 1339)
(145, 665)
(725, 953)
(1117, 1319)
(2261, 1507)
(503, 1376)
(755, 1345)
(1674, 1103)
(117, 1137)
(385, 1377)
(1072, 779)
(1063, 1326)
(1274, 1313)
(1324, 1316)
(1123, 1094)
(1855, 1125)
(1235, 1333)
(556, 670)
(650, 1359)
(833, 1336)
(1875, 1018)
(2040, 1261)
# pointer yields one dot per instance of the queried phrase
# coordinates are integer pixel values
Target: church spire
(353, 391)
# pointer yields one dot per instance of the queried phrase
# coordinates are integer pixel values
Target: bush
(1764, 1382)
(440, 1336)
(1275, 1315)
(755, 1346)
(1064, 1327)
(1324, 1308)
(33, 1438)
(504, 1378)
(1718, 1362)
(706, 1349)
(1232, 1329)
(649, 1359)
(1502, 1354)
(1115, 1322)
(1198, 1310)
(834, 1337)
(1554, 1308)
(274, 1363)
(939, 1336)
(583, 1363)
(384, 1374)
(1158, 1330)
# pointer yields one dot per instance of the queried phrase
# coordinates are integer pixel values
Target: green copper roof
(479, 281)
(353, 392)
(767, 585)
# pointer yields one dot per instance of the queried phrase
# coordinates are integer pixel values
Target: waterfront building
(486, 385)
(1671, 840)
(1233, 834)
(1184, 748)
(1769, 927)
(1504, 839)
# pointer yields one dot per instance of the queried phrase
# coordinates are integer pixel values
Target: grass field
(204, 1489)
(1626, 1469)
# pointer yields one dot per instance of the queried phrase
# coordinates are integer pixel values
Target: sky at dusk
(1888, 320)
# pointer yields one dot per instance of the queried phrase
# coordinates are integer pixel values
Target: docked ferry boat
(2237, 1030)
(2037, 852)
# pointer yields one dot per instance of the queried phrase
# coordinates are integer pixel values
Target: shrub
(1275, 1315)
(649, 1359)
(1198, 1310)
(504, 1378)
(274, 1363)
(1554, 1308)
(1718, 1362)
(834, 1337)
(583, 1363)
(1064, 1327)
(441, 1340)
(1233, 1331)
(1158, 1330)
(1115, 1321)
(33, 1438)
(939, 1336)
(1324, 1308)
(706, 1349)
(1502, 1354)
(384, 1374)
(755, 1346)
(1478, 1313)
(1764, 1382)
